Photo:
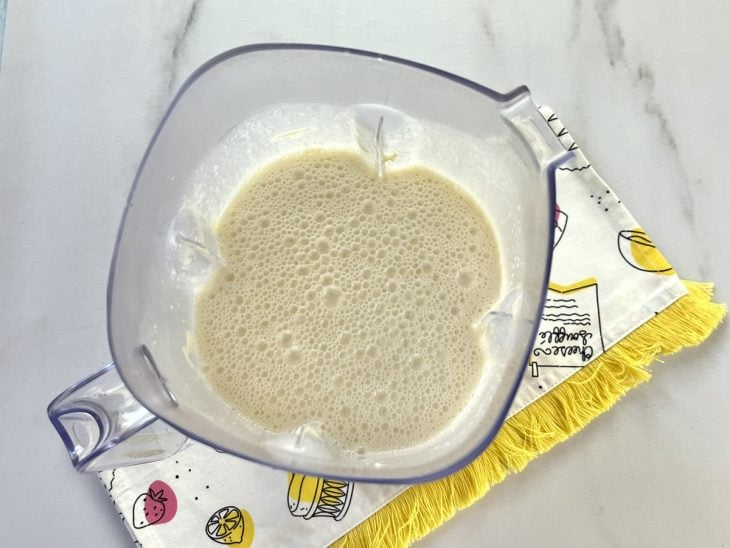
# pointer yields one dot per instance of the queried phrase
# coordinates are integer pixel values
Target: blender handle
(535, 132)
(103, 426)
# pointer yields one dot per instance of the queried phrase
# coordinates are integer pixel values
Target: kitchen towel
(614, 304)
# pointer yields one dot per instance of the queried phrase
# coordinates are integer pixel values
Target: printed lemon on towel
(230, 525)
(639, 251)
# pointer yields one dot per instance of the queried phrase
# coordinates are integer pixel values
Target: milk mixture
(348, 300)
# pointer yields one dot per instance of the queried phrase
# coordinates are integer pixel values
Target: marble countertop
(641, 86)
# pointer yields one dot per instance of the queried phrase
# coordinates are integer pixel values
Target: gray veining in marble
(178, 45)
(643, 82)
(612, 36)
(575, 16)
(486, 20)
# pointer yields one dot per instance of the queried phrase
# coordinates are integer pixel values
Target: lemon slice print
(639, 251)
(230, 525)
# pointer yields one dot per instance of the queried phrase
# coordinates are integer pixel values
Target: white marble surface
(642, 87)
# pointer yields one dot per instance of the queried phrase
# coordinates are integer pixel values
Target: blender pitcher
(240, 110)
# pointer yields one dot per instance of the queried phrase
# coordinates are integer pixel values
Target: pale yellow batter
(348, 300)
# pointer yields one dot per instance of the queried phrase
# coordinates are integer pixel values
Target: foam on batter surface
(348, 300)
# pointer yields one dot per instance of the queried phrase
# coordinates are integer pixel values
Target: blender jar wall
(151, 289)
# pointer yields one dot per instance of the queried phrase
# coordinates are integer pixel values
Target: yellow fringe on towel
(544, 423)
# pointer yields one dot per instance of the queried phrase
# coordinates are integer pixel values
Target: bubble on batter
(348, 300)
(331, 296)
(285, 338)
